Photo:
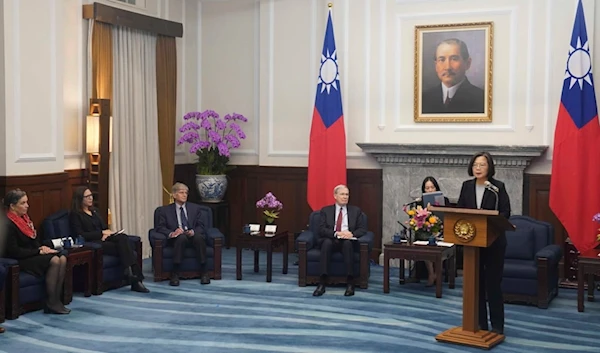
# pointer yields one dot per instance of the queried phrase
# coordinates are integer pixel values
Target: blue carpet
(254, 316)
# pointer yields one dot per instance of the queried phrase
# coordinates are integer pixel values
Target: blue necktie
(184, 221)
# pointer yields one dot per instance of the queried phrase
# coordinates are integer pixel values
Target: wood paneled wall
(248, 184)
(537, 203)
(47, 193)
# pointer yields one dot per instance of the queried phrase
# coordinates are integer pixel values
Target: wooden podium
(473, 229)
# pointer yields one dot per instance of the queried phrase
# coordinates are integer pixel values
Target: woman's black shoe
(138, 286)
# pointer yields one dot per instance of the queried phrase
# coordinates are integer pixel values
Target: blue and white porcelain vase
(211, 187)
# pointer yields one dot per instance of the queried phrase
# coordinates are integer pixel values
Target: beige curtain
(166, 94)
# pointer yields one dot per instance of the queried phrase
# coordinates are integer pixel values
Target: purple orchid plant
(596, 218)
(271, 207)
(212, 138)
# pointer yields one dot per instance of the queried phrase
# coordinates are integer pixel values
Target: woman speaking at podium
(485, 192)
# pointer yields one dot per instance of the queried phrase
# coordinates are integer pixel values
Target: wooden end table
(77, 257)
(261, 242)
(587, 265)
(436, 254)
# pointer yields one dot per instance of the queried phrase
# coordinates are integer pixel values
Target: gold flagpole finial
(330, 5)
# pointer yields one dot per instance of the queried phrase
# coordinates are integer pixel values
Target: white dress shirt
(449, 92)
(344, 215)
(179, 207)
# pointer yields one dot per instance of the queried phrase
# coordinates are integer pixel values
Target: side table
(261, 242)
(76, 257)
(588, 265)
(436, 254)
(220, 212)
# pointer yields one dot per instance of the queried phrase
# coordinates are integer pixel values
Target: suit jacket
(467, 99)
(467, 198)
(90, 227)
(167, 221)
(356, 223)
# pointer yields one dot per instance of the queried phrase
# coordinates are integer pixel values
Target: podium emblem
(464, 230)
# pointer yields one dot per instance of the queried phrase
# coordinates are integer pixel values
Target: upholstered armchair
(23, 292)
(3, 273)
(531, 263)
(162, 251)
(309, 256)
(108, 272)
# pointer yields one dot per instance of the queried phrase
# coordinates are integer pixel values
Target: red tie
(338, 224)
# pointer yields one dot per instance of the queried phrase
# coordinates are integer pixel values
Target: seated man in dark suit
(181, 223)
(339, 223)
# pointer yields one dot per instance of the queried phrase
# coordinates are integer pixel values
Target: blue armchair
(108, 272)
(531, 263)
(162, 251)
(309, 255)
(3, 273)
(24, 292)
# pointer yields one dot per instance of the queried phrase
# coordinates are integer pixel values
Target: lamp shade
(92, 130)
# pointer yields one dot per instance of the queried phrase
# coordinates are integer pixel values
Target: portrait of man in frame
(453, 76)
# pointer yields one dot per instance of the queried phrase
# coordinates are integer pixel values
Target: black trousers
(119, 245)
(198, 242)
(491, 268)
(328, 246)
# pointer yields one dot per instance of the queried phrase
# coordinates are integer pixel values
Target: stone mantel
(406, 165)
(450, 155)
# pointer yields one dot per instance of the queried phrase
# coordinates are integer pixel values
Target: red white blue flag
(575, 180)
(327, 153)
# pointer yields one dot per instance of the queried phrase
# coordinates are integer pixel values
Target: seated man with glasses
(181, 222)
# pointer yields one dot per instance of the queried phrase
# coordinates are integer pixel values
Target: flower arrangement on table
(596, 218)
(423, 222)
(271, 207)
(212, 138)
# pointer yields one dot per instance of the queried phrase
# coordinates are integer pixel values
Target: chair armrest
(212, 234)
(551, 252)
(154, 236)
(8, 262)
(307, 237)
(368, 238)
(134, 238)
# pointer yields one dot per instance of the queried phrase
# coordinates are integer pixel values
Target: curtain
(166, 94)
(135, 179)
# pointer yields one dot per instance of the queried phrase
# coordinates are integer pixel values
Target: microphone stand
(495, 193)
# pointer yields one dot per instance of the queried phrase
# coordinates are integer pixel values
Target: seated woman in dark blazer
(476, 194)
(23, 245)
(429, 185)
(85, 221)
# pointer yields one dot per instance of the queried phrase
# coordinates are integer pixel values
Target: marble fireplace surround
(406, 165)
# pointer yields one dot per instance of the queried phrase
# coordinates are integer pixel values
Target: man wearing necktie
(181, 222)
(339, 223)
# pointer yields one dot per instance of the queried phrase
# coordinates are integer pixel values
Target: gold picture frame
(450, 88)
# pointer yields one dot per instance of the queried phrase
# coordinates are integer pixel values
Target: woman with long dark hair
(475, 193)
(24, 245)
(85, 221)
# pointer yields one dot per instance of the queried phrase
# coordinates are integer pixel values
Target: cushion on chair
(520, 244)
(520, 269)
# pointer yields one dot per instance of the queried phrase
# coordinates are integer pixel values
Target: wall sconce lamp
(98, 147)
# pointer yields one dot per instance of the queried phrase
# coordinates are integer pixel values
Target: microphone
(417, 200)
(493, 188)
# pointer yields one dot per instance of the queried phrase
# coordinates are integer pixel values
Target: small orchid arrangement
(596, 218)
(271, 207)
(212, 138)
(423, 222)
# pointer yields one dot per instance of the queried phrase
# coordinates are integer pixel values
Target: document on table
(439, 243)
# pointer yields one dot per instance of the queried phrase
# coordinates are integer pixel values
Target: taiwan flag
(575, 180)
(327, 154)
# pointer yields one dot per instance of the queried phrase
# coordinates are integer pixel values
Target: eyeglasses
(88, 196)
(479, 165)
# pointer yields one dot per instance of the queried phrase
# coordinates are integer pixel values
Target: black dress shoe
(205, 279)
(138, 286)
(174, 281)
(319, 291)
(349, 290)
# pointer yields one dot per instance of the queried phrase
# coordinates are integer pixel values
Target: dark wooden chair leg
(218, 256)
(157, 260)
(364, 266)
(302, 264)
